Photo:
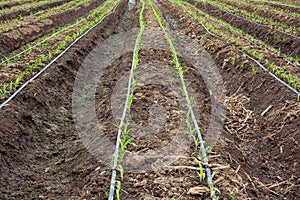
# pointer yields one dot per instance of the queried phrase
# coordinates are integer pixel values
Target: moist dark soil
(288, 19)
(287, 44)
(15, 39)
(269, 55)
(9, 5)
(293, 9)
(295, 2)
(40, 153)
(254, 146)
(26, 12)
(256, 156)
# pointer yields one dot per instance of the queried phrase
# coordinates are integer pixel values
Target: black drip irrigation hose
(258, 63)
(55, 59)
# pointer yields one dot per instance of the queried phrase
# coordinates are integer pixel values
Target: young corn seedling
(267, 62)
(290, 79)
(214, 190)
(11, 86)
(189, 125)
(4, 88)
(49, 54)
(17, 82)
(295, 85)
(8, 59)
(278, 72)
(272, 67)
(201, 172)
(124, 141)
(118, 189)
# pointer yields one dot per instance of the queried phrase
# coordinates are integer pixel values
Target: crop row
(15, 39)
(23, 17)
(255, 17)
(286, 3)
(277, 71)
(247, 37)
(122, 137)
(8, 3)
(25, 6)
(193, 127)
(43, 14)
(261, 56)
(19, 14)
(123, 130)
(51, 46)
(263, 11)
(260, 4)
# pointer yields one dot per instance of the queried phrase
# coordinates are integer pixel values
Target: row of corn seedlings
(283, 3)
(249, 38)
(259, 4)
(42, 41)
(264, 7)
(23, 21)
(31, 14)
(123, 130)
(14, 2)
(190, 114)
(264, 48)
(26, 6)
(49, 52)
(255, 17)
(276, 70)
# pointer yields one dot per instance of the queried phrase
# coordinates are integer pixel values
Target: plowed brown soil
(256, 157)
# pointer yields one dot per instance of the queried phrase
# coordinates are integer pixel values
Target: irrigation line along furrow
(273, 8)
(55, 59)
(278, 3)
(13, 9)
(57, 10)
(5, 60)
(297, 37)
(230, 28)
(196, 126)
(39, 43)
(129, 92)
(258, 63)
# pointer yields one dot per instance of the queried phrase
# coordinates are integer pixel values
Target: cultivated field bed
(254, 50)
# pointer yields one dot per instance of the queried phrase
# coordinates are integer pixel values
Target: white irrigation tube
(253, 43)
(260, 65)
(196, 126)
(54, 60)
(28, 7)
(116, 153)
(40, 12)
(297, 37)
(279, 3)
(39, 43)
